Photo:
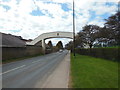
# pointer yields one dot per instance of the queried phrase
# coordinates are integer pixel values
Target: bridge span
(49, 35)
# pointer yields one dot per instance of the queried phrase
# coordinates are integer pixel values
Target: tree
(105, 37)
(87, 36)
(50, 44)
(79, 40)
(113, 26)
(108, 35)
(90, 34)
(59, 45)
(69, 45)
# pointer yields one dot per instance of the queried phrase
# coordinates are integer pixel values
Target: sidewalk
(60, 77)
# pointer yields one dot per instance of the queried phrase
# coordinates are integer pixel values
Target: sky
(31, 18)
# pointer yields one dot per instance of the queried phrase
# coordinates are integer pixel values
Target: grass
(18, 59)
(90, 72)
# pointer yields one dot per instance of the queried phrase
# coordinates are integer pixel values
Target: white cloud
(19, 18)
(100, 9)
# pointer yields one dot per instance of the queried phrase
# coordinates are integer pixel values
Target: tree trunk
(90, 45)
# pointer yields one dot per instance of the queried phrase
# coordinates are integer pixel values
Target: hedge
(105, 53)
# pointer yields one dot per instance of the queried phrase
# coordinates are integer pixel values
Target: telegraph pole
(119, 6)
(73, 30)
(118, 27)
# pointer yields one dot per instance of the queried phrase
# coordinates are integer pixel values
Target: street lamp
(73, 30)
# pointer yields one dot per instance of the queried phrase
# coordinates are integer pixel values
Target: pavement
(37, 72)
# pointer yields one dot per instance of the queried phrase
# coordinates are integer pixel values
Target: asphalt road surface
(26, 73)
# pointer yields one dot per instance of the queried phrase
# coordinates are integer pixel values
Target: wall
(105, 53)
(18, 52)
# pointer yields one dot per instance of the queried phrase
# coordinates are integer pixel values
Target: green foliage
(69, 46)
(93, 35)
(89, 34)
(59, 45)
(50, 44)
(89, 72)
(113, 26)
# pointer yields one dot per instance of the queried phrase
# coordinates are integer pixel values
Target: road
(26, 73)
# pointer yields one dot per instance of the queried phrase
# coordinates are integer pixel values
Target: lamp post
(73, 30)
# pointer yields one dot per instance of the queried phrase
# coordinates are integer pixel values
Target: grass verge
(18, 59)
(90, 72)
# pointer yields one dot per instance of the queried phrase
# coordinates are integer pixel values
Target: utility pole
(119, 6)
(118, 27)
(73, 30)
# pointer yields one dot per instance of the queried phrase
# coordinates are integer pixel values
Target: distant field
(90, 72)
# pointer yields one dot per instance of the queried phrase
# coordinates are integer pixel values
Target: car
(60, 50)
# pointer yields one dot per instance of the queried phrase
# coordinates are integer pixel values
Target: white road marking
(12, 69)
(35, 61)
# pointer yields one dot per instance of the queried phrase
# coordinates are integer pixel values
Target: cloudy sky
(30, 18)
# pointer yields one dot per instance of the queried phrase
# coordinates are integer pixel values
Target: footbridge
(49, 35)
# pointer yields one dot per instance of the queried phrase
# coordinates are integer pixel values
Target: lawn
(90, 72)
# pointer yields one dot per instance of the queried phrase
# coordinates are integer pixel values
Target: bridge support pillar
(43, 46)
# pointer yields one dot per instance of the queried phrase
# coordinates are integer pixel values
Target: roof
(9, 40)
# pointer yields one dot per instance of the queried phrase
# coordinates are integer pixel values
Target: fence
(18, 52)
